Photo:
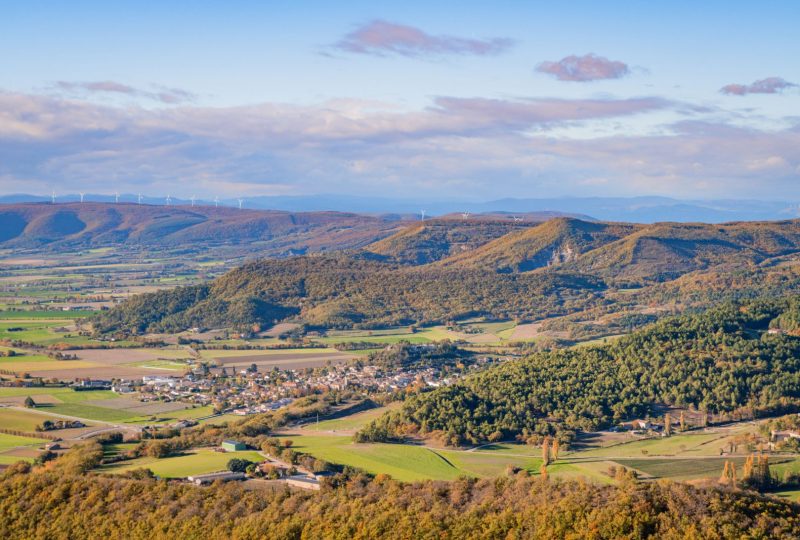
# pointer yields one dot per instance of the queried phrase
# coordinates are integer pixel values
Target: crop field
(698, 443)
(98, 405)
(8, 442)
(110, 363)
(680, 469)
(350, 423)
(199, 461)
(280, 358)
(22, 420)
(410, 463)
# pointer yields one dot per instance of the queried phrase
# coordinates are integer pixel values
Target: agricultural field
(200, 461)
(280, 358)
(99, 406)
(351, 423)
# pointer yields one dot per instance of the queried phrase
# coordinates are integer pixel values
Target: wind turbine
(169, 200)
(465, 215)
(116, 197)
(216, 201)
(422, 213)
(192, 198)
(53, 197)
(81, 194)
(139, 199)
(517, 219)
(241, 201)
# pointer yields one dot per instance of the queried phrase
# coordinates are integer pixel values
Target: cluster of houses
(253, 392)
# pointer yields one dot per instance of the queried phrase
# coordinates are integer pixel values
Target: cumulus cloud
(770, 85)
(382, 38)
(586, 68)
(169, 96)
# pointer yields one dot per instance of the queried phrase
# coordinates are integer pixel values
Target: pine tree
(29, 403)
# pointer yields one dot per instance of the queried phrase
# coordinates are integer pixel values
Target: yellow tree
(747, 470)
(554, 448)
(667, 425)
(725, 473)
(546, 451)
(683, 421)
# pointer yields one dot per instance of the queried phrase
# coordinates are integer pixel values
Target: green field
(409, 463)
(197, 462)
(90, 412)
(352, 422)
(22, 420)
(7, 442)
(42, 314)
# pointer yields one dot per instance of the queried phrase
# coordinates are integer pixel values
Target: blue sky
(476, 99)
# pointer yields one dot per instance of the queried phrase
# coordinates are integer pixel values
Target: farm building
(233, 446)
(225, 476)
(303, 482)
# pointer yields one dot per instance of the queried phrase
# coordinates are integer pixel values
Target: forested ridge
(59, 501)
(559, 267)
(342, 292)
(720, 361)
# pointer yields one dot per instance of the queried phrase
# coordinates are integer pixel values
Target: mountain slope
(436, 239)
(667, 250)
(553, 242)
(72, 225)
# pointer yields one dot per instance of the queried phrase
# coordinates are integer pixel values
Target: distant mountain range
(633, 209)
(261, 233)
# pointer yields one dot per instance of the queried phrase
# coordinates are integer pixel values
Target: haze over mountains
(634, 209)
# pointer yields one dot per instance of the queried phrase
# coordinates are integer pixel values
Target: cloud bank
(586, 68)
(465, 146)
(383, 38)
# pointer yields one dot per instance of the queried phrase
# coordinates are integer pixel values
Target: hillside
(61, 501)
(633, 252)
(554, 242)
(345, 292)
(563, 266)
(436, 239)
(76, 225)
(722, 361)
(667, 250)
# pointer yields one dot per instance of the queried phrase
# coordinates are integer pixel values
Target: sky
(443, 100)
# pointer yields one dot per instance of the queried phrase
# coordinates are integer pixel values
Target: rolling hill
(560, 240)
(722, 361)
(633, 252)
(76, 225)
